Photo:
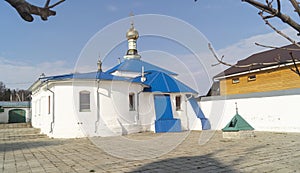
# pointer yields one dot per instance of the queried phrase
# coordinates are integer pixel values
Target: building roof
(7, 104)
(89, 75)
(135, 65)
(162, 82)
(84, 76)
(271, 57)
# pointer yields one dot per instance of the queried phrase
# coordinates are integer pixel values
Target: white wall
(65, 123)
(114, 116)
(69, 121)
(268, 113)
(189, 120)
(4, 116)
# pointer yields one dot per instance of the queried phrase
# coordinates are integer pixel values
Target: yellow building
(272, 70)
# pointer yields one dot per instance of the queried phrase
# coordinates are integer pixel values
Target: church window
(131, 102)
(84, 101)
(178, 102)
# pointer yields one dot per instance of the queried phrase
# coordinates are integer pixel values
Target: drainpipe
(138, 104)
(53, 103)
(143, 79)
(98, 106)
(99, 71)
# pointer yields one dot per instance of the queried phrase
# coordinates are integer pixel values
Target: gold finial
(132, 33)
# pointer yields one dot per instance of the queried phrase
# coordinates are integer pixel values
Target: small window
(178, 102)
(84, 101)
(131, 102)
(236, 80)
(252, 78)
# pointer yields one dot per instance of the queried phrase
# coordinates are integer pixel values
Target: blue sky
(53, 46)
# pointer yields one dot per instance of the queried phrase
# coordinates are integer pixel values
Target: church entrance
(163, 107)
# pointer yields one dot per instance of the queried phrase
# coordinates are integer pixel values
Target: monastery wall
(4, 116)
(267, 111)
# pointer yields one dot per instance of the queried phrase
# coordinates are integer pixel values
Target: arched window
(84, 101)
(178, 102)
(131, 102)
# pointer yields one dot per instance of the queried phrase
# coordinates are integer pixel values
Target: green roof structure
(237, 123)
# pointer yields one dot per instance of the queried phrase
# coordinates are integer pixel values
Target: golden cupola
(132, 35)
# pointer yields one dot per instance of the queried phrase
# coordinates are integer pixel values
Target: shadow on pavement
(204, 163)
(14, 146)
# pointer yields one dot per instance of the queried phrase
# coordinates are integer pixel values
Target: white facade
(109, 112)
(271, 111)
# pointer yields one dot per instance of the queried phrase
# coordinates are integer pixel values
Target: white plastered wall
(113, 116)
(276, 113)
(4, 116)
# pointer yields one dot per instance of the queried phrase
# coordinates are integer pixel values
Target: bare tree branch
(277, 31)
(276, 61)
(274, 12)
(295, 65)
(220, 61)
(26, 10)
(275, 47)
(296, 6)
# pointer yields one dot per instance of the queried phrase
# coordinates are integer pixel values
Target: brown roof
(264, 57)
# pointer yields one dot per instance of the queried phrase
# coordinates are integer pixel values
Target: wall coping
(254, 95)
(7, 104)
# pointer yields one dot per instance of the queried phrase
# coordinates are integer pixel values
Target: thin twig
(296, 6)
(239, 66)
(278, 6)
(295, 65)
(57, 3)
(47, 3)
(277, 31)
(272, 11)
(274, 47)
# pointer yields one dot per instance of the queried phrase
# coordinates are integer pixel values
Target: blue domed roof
(162, 82)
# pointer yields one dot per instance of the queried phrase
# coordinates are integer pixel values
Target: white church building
(134, 96)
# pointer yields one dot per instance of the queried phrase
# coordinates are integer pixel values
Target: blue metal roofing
(135, 65)
(162, 82)
(90, 75)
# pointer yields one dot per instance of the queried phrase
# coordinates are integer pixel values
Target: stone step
(20, 132)
(15, 125)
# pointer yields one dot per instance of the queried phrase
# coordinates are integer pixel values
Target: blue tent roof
(135, 65)
(162, 82)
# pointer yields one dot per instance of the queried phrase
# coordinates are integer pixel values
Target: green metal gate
(17, 116)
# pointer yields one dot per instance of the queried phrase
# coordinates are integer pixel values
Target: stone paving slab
(267, 152)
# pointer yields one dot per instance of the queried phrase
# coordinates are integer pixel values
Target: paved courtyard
(148, 152)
